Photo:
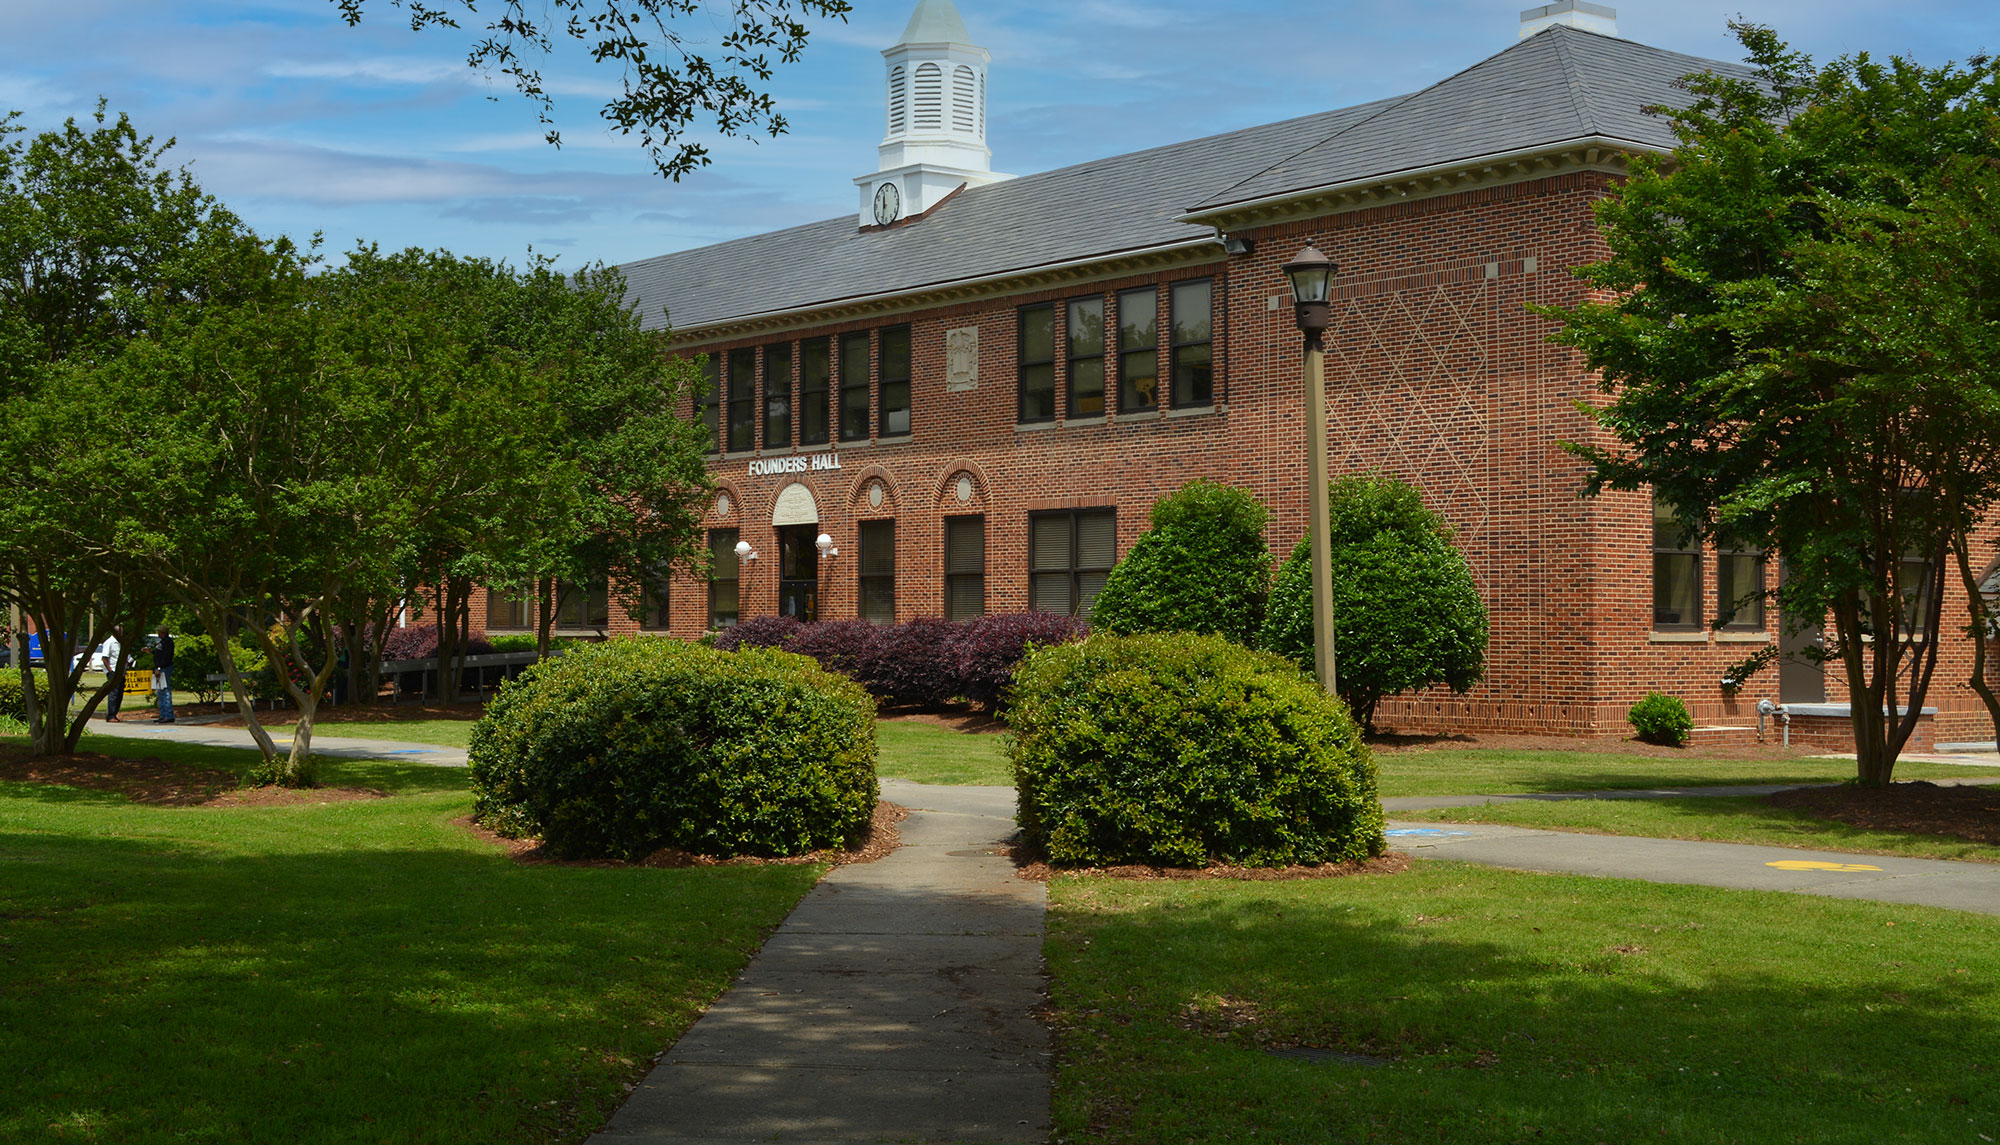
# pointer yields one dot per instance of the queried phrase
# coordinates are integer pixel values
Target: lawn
(1513, 1007)
(927, 753)
(340, 971)
(1722, 820)
(446, 733)
(1504, 771)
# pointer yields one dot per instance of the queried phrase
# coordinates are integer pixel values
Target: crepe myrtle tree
(1794, 328)
(672, 72)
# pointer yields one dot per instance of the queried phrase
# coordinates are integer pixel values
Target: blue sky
(302, 124)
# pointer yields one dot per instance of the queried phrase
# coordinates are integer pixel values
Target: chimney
(1579, 14)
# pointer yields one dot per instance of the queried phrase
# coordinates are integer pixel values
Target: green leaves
(1202, 567)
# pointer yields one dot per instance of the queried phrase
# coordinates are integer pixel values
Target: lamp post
(1312, 290)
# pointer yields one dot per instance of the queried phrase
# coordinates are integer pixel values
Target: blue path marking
(1395, 832)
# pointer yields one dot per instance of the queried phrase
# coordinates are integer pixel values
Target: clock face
(888, 204)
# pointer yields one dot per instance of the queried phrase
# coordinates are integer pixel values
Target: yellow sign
(1816, 865)
(138, 683)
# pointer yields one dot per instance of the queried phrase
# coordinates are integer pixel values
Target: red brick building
(976, 388)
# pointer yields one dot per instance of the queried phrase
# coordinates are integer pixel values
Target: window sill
(1032, 426)
(735, 455)
(1677, 638)
(575, 632)
(1150, 415)
(777, 450)
(1192, 411)
(1726, 637)
(895, 439)
(1094, 419)
(855, 443)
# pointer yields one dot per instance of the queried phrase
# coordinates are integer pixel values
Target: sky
(375, 133)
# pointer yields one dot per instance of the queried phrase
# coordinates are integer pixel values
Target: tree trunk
(545, 620)
(1982, 626)
(297, 771)
(218, 622)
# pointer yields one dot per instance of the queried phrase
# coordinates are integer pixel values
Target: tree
(1202, 567)
(1406, 612)
(94, 233)
(667, 82)
(1797, 345)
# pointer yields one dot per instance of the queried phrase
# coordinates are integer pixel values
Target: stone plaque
(961, 359)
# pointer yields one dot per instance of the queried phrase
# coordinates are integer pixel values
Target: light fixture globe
(744, 552)
(1312, 288)
(824, 544)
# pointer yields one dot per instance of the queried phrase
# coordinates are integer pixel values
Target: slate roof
(1561, 84)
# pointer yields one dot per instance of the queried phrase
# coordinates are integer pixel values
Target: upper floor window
(1192, 322)
(742, 400)
(895, 385)
(710, 400)
(1086, 357)
(1138, 350)
(778, 396)
(1037, 362)
(854, 386)
(1070, 555)
(1676, 573)
(815, 377)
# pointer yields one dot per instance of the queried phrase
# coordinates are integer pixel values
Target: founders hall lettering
(776, 466)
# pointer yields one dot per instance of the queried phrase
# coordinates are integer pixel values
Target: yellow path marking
(1816, 865)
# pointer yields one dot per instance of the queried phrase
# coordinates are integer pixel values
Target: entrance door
(798, 572)
(1800, 681)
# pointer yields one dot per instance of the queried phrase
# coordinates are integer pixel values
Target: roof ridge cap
(1585, 107)
(1392, 105)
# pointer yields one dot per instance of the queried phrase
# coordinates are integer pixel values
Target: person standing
(163, 675)
(114, 669)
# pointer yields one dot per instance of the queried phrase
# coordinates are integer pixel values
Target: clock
(888, 204)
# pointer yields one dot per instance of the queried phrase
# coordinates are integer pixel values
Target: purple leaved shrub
(850, 647)
(758, 632)
(989, 647)
(420, 642)
(917, 664)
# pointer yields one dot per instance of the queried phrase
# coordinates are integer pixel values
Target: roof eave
(1589, 152)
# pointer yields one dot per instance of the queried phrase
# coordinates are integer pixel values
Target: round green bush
(1202, 567)
(1406, 611)
(619, 749)
(1185, 750)
(13, 703)
(1661, 719)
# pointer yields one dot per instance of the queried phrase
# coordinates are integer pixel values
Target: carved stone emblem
(961, 359)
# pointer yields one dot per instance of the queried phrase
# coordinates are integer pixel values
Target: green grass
(446, 733)
(1721, 820)
(1496, 771)
(361, 971)
(927, 753)
(1517, 1007)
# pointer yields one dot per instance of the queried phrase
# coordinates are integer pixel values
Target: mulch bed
(1390, 863)
(158, 783)
(882, 839)
(1971, 813)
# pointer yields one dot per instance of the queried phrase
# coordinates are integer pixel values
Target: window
(815, 375)
(1916, 580)
(964, 567)
(583, 605)
(1138, 351)
(854, 386)
(1086, 357)
(711, 371)
(509, 608)
(722, 578)
(895, 388)
(1739, 588)
(1676, 573)
(778, 396)
(742, 400)
(1069, 557)
(1038, 363)
(653, 615)
(878, 571)
(1192, 320)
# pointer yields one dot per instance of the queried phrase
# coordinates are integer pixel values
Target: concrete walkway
(1740, 866)
(1430, 802)
(895, 1004)
(345, 746)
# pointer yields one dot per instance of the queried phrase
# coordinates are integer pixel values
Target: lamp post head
(824, 544)
(1312, 289)
(744, 552)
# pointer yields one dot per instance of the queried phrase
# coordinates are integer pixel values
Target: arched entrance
(796, 519)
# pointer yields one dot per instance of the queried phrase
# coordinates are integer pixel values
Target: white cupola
(936, 102)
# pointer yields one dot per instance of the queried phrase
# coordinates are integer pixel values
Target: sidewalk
(351, 748)
(1429, 802)
(1740, 866)
(895, 1004)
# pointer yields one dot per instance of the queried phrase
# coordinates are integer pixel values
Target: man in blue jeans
(163, 668)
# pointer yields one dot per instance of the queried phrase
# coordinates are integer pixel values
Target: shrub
(195, 660)
(990, 647)
(518, 642)
(758, 632)
(13, 702)
(1202, 567)
(850, 647)
(621, 748)
(916, 663)
(1406, 611)
(1661, 719)
(1185, 750)
(420, 642)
